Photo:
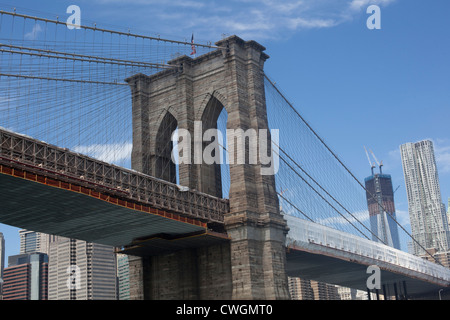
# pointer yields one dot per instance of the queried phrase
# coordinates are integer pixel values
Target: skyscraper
(32, 241)
(123, 277)
(79, 270)
(380, 202)
(2, 255)
(448, 213)
(429, 224)
(2, 263)
(26, 277)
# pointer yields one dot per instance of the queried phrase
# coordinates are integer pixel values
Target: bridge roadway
(324, 254)
(53, 190)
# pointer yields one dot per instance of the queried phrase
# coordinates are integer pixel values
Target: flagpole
(194, 50)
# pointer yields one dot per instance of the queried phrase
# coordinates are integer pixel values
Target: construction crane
(370, 162)
(372, 165)
(380, 164)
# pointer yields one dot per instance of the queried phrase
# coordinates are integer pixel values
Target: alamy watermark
(374, 280)
(73, 282)
(74, 20)
(242, 147)
(374, 21)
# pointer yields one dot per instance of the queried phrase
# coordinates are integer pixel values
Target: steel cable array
(66, 87)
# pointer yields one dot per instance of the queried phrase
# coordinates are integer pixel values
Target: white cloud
(442, 154)
(362, 216)
(116, 153)
(301, 23)
(33, 34)
(402, 217)
(357, 5)
(395, 154)
(249, 19)
(172, 3)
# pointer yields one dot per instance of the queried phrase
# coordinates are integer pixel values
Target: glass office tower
(380, 202)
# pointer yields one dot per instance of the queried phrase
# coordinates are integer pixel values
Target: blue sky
(357, 87)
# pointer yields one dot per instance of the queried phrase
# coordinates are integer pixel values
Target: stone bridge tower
(252, 264)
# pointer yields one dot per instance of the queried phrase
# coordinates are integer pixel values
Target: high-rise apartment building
(303, 289)
(347, 293)
(2, 255)
(380, 202)
(429, 224)
(2, 263)
(79, 270)
(324, 291)
(442, 258)
(26, 277)
(448, 213)
(300, 289)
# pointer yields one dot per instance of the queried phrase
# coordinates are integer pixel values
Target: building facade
(26, 277)
(448, 213)
(79, 270)
(2, 255)
(2, 263)
(324, 291)
(428, 219)
(347, 293)
(32, 241)
(380, 202)
(303, 289)
(123, 277)
(300, 289)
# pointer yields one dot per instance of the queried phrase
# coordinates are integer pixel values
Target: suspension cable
(343, 165)
(15, 14)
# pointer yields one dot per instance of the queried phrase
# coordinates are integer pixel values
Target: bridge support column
(191, 274)
(232, 78)
(136, 274)
(258, 256)
(254, 224)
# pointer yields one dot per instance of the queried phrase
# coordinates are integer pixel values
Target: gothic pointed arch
(211, 175)
(163, 166)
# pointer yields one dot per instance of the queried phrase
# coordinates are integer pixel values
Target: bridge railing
(66, 165)
(313, 233)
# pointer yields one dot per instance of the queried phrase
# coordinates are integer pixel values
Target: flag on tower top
(194, 51)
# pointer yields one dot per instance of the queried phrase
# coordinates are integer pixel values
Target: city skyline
(364, 72)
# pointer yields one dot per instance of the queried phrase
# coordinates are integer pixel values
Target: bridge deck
(59, 164)
(45, 205)
(315, 265)
(53, 190)
(324, 254)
